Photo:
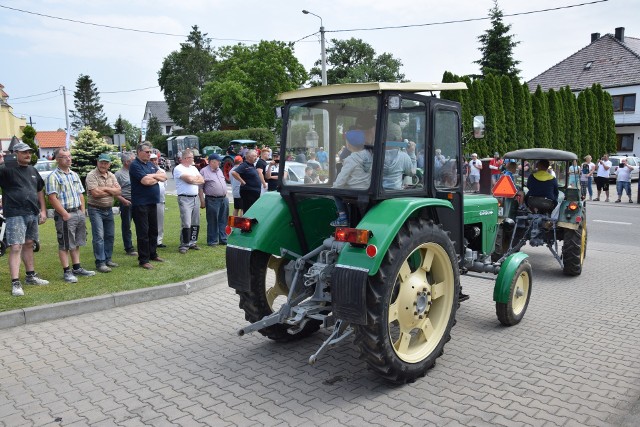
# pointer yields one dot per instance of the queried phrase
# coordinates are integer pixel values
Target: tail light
(354, 236)
(244, 224)
(573, 206)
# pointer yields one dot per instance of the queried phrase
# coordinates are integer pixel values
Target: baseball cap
(153, 156)
(21, 146)
(355, 137)
(104, 157)
(237, 158)
(214, 156)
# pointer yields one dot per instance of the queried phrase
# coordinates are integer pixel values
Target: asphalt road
(572, 361)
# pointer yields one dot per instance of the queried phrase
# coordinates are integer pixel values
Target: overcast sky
(39, 54)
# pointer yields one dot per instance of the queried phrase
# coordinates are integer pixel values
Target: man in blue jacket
(542, 183)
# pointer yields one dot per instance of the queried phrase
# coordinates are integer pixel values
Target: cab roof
(540, 153)
(370, 87)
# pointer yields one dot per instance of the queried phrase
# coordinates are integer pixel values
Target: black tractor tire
(256, 302)
(411, 303)
(502, 244)
(574, 249)
(512, 312)
(227, 165)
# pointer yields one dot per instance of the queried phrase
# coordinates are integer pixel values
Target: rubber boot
(195, 230)
(184, 238)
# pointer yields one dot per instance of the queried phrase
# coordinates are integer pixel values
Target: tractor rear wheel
(512, 312)
(411, 303)
(267, 293)
(574, 249)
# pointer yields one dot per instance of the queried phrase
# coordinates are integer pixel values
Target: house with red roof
(49, 140)
(613, 61)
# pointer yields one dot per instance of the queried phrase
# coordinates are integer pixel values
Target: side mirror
(478, 127)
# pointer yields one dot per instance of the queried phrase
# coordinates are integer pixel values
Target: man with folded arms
(102, 187)
(188, 180)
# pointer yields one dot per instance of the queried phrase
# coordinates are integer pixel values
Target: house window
(625, 142)
(168, 130)
(623, 103)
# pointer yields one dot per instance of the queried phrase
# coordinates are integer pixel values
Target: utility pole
(66, 117)
(31, 123)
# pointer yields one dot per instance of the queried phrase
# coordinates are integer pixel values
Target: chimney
(594, 37)
(620, 34)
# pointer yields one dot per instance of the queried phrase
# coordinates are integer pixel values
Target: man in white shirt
(188, 180)
(602, 177)
(475, 166)
(623, 179)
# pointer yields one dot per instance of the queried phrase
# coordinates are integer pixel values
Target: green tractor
(388, 274)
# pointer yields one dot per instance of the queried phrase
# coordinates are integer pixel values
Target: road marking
(611, 222)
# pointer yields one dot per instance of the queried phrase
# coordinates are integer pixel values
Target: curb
(64, 309)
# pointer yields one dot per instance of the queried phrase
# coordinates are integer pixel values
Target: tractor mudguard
(384, 221)
(274, 228)
(503, 282)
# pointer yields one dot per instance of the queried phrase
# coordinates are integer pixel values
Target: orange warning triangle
(504, 187)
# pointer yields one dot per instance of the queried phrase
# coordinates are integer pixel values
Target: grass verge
(128, 276)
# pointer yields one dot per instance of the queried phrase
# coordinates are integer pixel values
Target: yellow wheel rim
(279, 289)
(583, 243)
(421, 303)
(520, 293)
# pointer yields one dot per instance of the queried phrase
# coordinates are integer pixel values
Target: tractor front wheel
(411, 303)
(268, 291)
(574, 250)
(512, 312)
(227, 165)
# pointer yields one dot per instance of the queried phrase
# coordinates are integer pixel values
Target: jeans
(146, 219)
(103, 234)
(623, 185)
(125, 227)
(217, 213)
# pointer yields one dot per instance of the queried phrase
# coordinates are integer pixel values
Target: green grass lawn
(128, 276)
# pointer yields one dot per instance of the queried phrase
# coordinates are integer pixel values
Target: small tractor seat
(540, 204)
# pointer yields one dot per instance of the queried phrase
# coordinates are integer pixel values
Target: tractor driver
(541, 183)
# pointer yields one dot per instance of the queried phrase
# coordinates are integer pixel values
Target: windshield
(325, 136)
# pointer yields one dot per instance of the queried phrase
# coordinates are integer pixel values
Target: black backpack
(585, 168)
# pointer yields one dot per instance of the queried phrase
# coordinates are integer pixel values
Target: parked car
(45, 167)
(295, 172)
(615, 163)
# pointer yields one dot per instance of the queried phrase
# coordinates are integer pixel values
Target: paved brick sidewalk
(572, 361)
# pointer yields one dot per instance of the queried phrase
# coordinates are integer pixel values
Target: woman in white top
(586, 176)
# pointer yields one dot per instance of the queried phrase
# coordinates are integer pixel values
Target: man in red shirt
(495, 165)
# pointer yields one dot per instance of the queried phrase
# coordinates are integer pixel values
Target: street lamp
(323, 54)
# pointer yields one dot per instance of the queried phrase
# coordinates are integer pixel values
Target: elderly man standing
(64, 190)
(155, 159)
(102, 187)
(188, 179)
(24, 209)
(145, 195)
(125, 203)
(214, 191)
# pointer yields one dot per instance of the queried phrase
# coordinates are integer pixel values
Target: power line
(37, 94)
(113, 27)
(131, 90)
(35, 100)
(464, 20)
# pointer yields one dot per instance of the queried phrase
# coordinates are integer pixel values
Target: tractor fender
(384, 221)
(501, 290)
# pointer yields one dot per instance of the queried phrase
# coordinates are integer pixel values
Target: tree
(497, 47)
(153, 128)
(541, 121)
(86, 149)
(246, 81)
(88, 109)
(557, 120)
(29, 138)
(182, 78)
(355, 61)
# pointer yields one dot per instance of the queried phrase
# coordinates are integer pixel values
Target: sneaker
(194, 248)
(102, 269)
(132, 253)
(630, 201)
(340, 222)
(596, 199)
(69, 277)
(606, 200)
(82, 272)
(112, 264)
(35, 280)
(182, 250)
(618, 201)
(161, 245)
(16, 289)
